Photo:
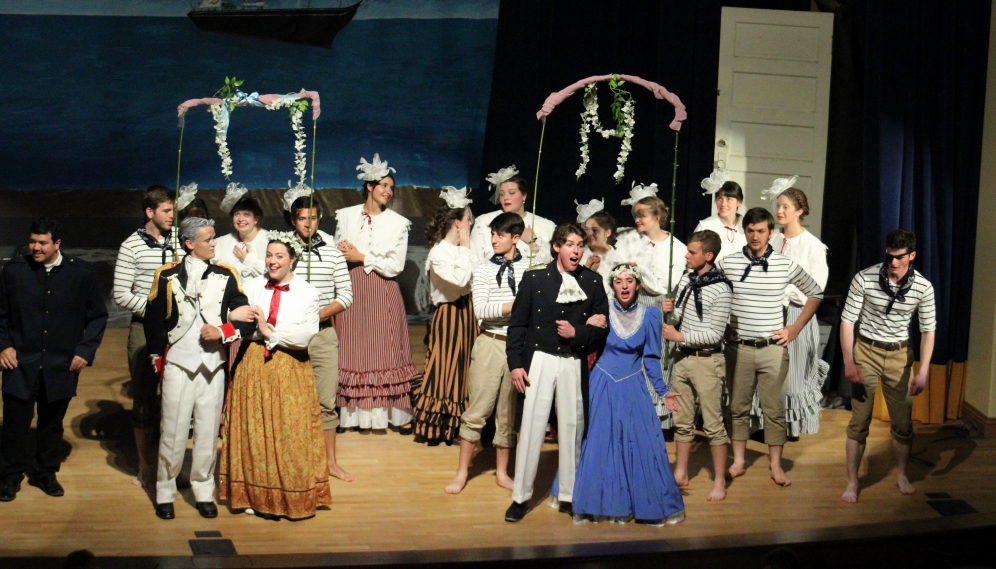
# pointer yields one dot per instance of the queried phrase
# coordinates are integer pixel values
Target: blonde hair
(656, 207)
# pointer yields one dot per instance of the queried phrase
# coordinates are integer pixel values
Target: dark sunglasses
(889, 258)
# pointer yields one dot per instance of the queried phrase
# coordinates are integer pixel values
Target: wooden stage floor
(397, 502)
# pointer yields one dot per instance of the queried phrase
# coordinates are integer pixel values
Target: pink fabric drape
(660, 92)
(316, 105)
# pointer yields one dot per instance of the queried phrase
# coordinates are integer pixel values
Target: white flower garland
(296, 114)
(221, 138)
(589, 120)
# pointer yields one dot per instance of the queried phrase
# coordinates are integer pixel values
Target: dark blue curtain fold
(924, 94)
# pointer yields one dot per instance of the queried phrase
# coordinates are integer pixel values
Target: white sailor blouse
(383, 238)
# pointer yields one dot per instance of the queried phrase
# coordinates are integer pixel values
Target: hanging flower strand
(297, 108)
(624, 113)
(220, 114)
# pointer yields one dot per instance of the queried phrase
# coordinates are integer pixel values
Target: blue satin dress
(624, 472)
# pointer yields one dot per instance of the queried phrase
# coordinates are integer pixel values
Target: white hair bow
(187, 194)
(714, 182)
(778, 186)
(233, 193)
(638, 192)
(292, 194)
(586, 210)
(373, 171)
(499, 178)
(455, 199)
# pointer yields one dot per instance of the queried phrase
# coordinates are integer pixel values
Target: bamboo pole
(311, 200)
(532, 230)
(176, 200)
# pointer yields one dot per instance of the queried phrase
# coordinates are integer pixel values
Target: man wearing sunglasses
(883, 298)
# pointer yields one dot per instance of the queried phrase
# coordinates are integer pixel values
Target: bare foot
(850, 494)
(457, 485)
(336, 471)
(143, 479)
(681, 478)
(737, 470)
(718, 493)
(904, 485)
(504, 481)
(780, 479)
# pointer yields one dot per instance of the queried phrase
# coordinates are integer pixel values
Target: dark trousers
(17, 416)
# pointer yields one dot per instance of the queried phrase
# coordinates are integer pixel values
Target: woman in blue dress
(624, 473)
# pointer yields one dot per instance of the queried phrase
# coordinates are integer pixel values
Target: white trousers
(550, 375)
(186, 394)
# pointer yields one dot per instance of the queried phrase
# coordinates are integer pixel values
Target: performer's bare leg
(855, 450)
(902, 452)
(777, 474)
(334, 469)
(144, 443)
(739, 457)
(682, 451)
(466, 454)
(501, 472)
(719, 467)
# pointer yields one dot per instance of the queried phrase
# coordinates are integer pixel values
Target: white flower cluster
(589, 121)
(296, 116)
(221, 138)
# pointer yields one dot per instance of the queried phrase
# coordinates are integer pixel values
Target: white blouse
(654, 259)
(451, 268)
(608, 262)
(382, 238)
(297, 317)
(809, 253)
(733, 238)
(480, 238)
(255, 263)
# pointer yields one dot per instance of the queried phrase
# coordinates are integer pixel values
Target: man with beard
(883, 298)
(558, 318)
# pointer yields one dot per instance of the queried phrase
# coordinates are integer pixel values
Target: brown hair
(441, 222)
(366, 189)
(710, 241)
(153, 197)
(730, 189)
(605, 220)
(798, 199)
(561, 233)
(520, 183)
(656, 206)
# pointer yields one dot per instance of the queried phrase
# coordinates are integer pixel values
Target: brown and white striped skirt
(442, 396)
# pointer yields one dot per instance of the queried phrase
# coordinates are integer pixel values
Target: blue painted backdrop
(89, 98)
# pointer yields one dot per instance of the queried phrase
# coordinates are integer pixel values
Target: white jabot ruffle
(570, 290)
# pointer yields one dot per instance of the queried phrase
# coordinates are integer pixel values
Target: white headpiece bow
(187, 194)
(373, 171)
(586, 210)
(714, 182)
(233, 193)
(455, 199)
(292, 194)
(778, 186)
(499, 178)
(639, 192)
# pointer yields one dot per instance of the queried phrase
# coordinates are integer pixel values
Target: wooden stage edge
(396, 513)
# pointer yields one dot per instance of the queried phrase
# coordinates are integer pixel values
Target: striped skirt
(375, 354)
(442, 396)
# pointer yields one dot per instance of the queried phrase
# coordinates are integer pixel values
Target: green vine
(227, 91)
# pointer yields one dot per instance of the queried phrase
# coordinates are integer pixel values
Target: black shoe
(165, 511)
(406, 430)
(566, 508)
(516, 512)
(48, 484)
(9, 489)
(207, 509)
(340, 430)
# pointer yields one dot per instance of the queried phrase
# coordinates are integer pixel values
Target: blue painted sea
(89, 102)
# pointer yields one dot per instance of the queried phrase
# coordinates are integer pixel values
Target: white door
(773, 102)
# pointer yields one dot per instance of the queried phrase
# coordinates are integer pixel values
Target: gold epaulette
(154, 291)
(536, 268)
(235, 275)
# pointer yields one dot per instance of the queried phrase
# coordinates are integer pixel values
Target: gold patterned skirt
(273, 447)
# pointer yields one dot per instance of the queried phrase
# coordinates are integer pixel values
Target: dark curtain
(546, 46)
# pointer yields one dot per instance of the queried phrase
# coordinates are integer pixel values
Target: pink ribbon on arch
(316, 105)
(660, 92)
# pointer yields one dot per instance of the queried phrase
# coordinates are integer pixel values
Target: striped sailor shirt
(328, 273)
(866, 301)
(756, 312)
(489, 295)
(707, 331)
(138, 259)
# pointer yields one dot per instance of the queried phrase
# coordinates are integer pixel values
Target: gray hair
(190, 227)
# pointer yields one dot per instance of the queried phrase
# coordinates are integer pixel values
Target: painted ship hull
(316, 27)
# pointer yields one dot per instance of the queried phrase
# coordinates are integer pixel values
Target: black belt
(887, 346)
(758, 343)
(705, 353)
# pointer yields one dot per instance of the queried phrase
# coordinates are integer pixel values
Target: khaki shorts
(489, 383)
(764, 370)
(702, 378)
(891, 370)
(324, 353)
(144, 383)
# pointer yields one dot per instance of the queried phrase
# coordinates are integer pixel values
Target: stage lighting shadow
(929, 450)
(109, 423)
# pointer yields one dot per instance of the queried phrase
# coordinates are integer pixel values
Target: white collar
(55, 263)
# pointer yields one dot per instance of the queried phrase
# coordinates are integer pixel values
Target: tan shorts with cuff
(490, 383)
(324, 353)
(751, 369)
(701, 377)
(891, 369)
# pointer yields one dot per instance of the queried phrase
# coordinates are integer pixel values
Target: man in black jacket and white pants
(558, 319)
(52, 319)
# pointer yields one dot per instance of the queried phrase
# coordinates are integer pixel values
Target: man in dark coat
(558, 319)
(52, 319)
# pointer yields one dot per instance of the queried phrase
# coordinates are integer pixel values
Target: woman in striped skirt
(807, 371)
(375, 355)
(442, 396)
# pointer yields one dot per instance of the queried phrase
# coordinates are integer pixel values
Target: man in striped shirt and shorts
(700, 316)
(490, 382)
(328, 273)
(883, 298)
(141, 254)
(757, 358)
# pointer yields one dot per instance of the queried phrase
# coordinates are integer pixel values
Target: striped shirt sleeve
(484, 309)
(800, 278)
(855, 300)
(926, 311)
(125, 270)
